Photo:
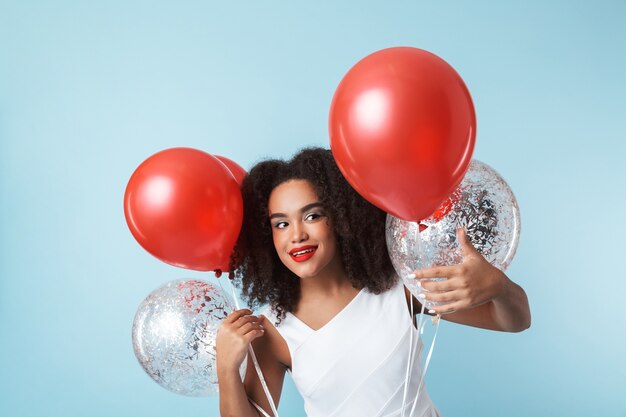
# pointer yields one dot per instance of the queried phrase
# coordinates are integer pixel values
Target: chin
(309, 269)
(305, 274)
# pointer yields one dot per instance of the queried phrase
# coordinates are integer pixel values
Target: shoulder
(384, 284)
(270, 313)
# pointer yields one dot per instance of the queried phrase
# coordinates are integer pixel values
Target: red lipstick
(302, 253)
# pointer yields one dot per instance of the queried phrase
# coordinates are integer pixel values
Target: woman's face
(303, 235)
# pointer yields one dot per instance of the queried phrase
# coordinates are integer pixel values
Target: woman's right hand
(234, 336)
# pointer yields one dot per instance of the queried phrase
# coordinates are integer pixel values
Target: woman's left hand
(469, 284)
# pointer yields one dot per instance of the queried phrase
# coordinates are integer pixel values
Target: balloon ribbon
(257, 367)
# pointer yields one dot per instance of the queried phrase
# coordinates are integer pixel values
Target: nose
(298, 233)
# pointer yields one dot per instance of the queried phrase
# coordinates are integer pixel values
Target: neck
(331, 281)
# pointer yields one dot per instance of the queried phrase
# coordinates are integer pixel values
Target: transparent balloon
(174, 333)
(483, 203)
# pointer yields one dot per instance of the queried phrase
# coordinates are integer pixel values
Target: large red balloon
(402, 130)
(184, 207)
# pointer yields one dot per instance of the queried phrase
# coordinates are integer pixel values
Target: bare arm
(232, 347)
(476, 293)
(270, 360)
(509, 312)
(233, 396)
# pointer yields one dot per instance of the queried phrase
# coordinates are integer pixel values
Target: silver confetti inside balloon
(174, 334)
(483, 203)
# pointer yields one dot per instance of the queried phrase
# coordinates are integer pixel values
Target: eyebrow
(302, 210)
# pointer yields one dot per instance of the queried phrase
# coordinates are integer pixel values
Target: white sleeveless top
(355, 365)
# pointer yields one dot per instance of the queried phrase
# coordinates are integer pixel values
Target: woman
(339, 320)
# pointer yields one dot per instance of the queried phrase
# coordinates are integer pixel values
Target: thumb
(466, 245)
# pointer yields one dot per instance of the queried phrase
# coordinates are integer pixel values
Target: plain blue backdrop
(89, 89)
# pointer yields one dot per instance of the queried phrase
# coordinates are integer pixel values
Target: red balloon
(402, 130)
(238, 172)
(184, 207)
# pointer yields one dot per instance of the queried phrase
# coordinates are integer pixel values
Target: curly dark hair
(358, 225)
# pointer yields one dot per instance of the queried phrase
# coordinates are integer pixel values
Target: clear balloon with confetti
(483, 204)
(174, 334)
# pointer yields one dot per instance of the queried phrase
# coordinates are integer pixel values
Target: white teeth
(302, 252)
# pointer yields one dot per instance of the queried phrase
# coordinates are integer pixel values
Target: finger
(245, 319)
(248, 327)
(434, 272)
(466, 246)
(253, 334)
(446, 309)
(443, 297)
(438, 286)
(235, 315)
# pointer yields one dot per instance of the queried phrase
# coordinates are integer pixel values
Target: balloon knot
(218, 273)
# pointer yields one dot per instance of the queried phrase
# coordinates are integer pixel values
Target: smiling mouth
(302, 254)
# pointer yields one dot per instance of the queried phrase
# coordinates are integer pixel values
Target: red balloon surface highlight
(184, 206)
(238, 172)
(402, 130)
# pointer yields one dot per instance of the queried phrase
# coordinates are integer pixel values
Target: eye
(313, 216)
(281, 225)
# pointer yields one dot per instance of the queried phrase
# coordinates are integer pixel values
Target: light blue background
(89, 89)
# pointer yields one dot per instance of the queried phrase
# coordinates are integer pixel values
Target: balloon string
(263, 383)
(418, 255)
(256, 365)
(420, 330)
(430, 353)
(408, 361)
(258, 407)
(231, 305)
(412, 353)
